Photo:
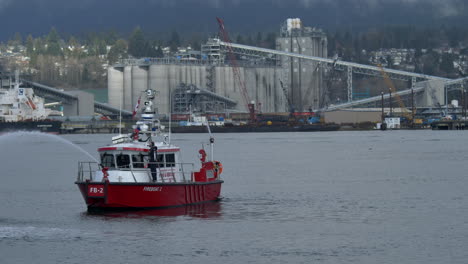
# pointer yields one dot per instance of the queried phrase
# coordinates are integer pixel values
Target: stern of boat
(106, 194)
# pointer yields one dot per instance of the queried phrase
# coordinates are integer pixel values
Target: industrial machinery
(432, 93)
(235, 68)
(404, 111)
(286, 95)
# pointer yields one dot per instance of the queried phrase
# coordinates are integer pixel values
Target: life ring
(218, 166)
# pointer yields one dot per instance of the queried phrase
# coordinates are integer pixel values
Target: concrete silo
(262, 83)
(158, 80)
(302, 78)
(115, 86)
(139, 84)
(127, 87)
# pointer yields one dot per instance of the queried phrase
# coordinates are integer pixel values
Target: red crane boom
(235, 68)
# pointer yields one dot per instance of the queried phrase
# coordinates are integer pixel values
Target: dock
(450, 125)
(95, 126)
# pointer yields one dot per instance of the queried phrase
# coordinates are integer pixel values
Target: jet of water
(9, 135)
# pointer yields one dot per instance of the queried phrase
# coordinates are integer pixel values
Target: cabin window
(107, 160)
(123, 161)
(138, 161)
(170, 160)
(160, 160)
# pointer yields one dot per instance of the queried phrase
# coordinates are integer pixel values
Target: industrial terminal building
(209, 84)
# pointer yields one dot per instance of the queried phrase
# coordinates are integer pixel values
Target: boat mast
(16, 78)
(150, 125)
(170, 119)
(211, 141)
(120, 114)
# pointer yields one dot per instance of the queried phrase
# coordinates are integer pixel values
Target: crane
(290, 105)
(235, 68)
(432, 93)
(288, 100)
(393, 90)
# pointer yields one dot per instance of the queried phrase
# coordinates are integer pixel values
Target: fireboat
(144, 170)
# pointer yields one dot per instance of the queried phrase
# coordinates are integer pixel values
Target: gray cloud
(445, 7)
(442, 8)
(437, 8)
(4, 3)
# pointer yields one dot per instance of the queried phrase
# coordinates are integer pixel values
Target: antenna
(170, 119)
(120, 114)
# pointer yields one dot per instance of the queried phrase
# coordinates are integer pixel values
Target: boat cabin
(130, 163)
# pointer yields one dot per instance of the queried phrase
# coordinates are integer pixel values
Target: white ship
(20, 109)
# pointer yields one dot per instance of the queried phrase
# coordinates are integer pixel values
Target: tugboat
(143, 170)
(20, 109)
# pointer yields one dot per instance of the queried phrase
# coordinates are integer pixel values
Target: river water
(323, 197)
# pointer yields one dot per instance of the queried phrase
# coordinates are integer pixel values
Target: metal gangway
(187, 97)
(350, 68)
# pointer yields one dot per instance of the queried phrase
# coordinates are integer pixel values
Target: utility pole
(391, 108)
(383, 114)
(446, 100)
(292, 91)
(464, 103)
(412, 108)
(383, 125)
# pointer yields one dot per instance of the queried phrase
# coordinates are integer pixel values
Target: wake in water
(22, 135)
(33, 233)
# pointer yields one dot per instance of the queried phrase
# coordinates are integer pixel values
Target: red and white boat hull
(110, 195)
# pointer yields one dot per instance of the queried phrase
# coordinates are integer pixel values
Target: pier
(450, 125)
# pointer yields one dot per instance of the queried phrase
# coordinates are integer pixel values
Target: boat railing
(173, 170)
(164, 171)
(87, 170)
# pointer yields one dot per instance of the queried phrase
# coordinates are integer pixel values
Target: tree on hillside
(259, 40)
(111, 37)
(430, 63)
(75, 47)
(18, 39)
(240, 39)
(53, 43)
(249, 41)
(74, 72)
(92, 71)
(118, 51)
(174, 42)
(137, 44)
(47, 69)
(39, 46)
(196, 40)
(446, 64)
(29, 45)
(99, 46)
(270, 40)
(153, 49)
(159, 52)
(389, 62)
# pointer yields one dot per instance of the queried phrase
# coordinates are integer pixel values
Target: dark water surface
(332, 197)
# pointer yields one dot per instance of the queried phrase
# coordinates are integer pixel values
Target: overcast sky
(38, 16)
